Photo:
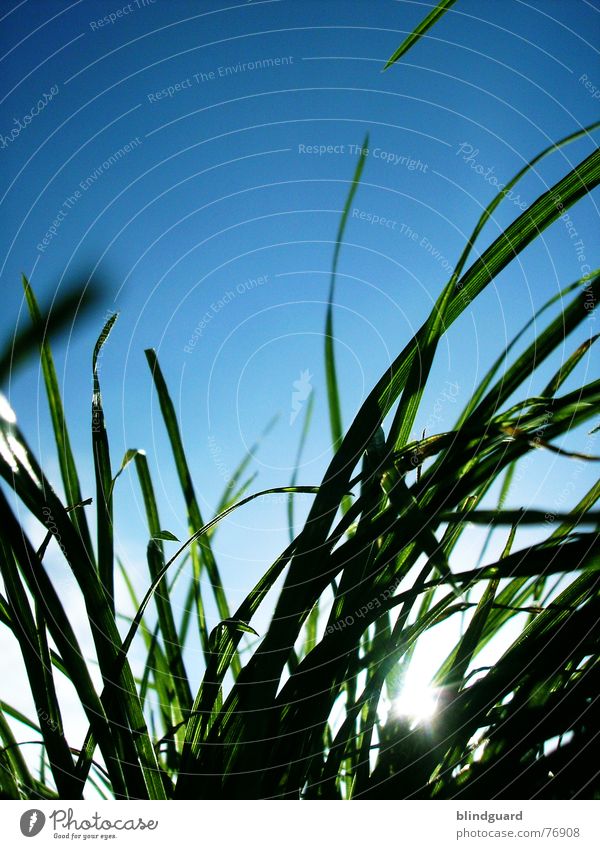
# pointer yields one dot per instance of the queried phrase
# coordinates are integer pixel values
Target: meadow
(298, 711)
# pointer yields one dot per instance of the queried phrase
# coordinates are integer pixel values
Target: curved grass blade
(129, 455)
(518, 235)
(197, 535)
(418, 375)
(333, 396)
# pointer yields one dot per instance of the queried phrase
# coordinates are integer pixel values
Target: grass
(297, 712)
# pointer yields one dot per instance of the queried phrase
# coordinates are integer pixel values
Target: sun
(417, 703)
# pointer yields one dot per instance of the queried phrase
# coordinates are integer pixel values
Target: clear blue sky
(172, 155)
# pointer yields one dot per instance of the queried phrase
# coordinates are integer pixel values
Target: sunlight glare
(417, 703)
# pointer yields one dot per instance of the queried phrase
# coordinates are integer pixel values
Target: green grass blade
(535, 354)
(27, 341)
(418, 375)
(42, 689)
(503, 193)
(134, 749)
(66, 460)
(478, 394)
(156, 663)
(420, 31)
(156, 561)
(103, 474)
(207, 704)
(567, 367)
(333, 396)
(195, 520)
(14, 772)
(468, 644)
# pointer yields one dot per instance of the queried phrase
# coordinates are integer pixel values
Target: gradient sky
(213, 232)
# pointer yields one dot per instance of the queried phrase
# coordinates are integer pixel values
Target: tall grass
(297, 713)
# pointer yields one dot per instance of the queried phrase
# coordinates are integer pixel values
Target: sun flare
(418, 703)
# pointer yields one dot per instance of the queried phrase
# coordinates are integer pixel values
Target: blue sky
(195, 157)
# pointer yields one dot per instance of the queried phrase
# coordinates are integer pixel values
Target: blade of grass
(134, 751)
(103, 475)
(536, 353)
(333, 396)
(476, 396)
(26, 342)
(156, 562)
(31, 642)
(435, 14)
(195, 519)
(13, 767)
(66, 460)
(567, 367)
